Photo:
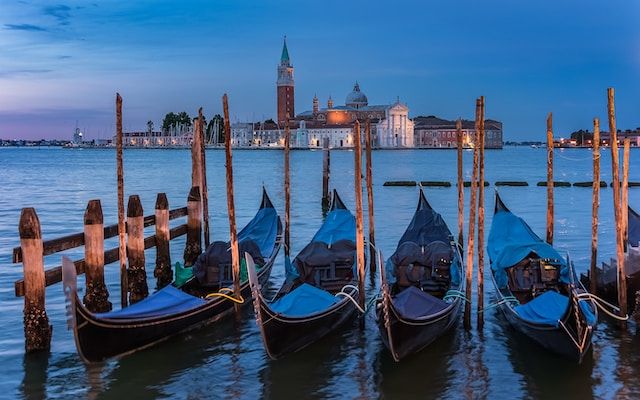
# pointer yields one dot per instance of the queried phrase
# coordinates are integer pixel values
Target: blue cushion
(166, 301)
(547, 308)
(414, 303)
(304, 300)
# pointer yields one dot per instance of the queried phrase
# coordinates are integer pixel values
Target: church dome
(356, 98)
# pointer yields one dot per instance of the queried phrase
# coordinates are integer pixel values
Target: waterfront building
(177, 136)
(434, 132)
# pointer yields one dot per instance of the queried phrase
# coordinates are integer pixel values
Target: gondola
(537, 290)
(319, 293)
(424, 300)
(202, 300)
(607, 275)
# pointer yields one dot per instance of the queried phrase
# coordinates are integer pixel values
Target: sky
(61, 63)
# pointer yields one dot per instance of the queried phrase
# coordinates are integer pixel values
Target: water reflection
(34, 383)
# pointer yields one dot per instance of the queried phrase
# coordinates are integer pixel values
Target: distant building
(177, 136)
(434, 132)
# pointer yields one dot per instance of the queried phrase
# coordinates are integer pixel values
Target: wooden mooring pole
(617, 205)
(595, 204)
(460, 185)
(37, 331)
(96, 297)
(204, 192)
(481, 218)
(625, 192)
(357, 174)
(472, 222)
(550, 179)
(235, 256)
(326, 160)
(162, 271)
(193, 247)
(369, 176)
(137, 274)
(122, 229)
(287, 190)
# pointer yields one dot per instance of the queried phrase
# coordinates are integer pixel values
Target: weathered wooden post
(369, 175)
(625, 192)
(357, 173)
(550, 178)
(96, 297)
(481, 219)
(617, 209)
(472, 222)
(193, 247)
(460, 184)
(287, 190)
(326, 160)
(595, 205)
(37, 331)
(162, 271)
(203, 177)
(235, 256)
(122, 229)
(196, 158)
(137, 274)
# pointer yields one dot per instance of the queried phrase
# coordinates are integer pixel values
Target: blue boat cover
(262, 229)
(634, 228)
(511, 240)
(547, 308)
(304, 300)
(339, 224)
(166, 301)
(415, 304)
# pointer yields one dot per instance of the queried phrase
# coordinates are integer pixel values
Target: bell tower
(285, 87)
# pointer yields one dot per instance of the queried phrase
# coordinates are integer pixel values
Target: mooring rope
(354, 301)
(455, 294)
(504, 300)
(598, 300)
(221, 293)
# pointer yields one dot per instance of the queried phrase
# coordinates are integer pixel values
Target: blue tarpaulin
(340, 224)
(304, 300)
(168, 300)
(511, 240)
(414, 303)
(547, 308)
(262, 229)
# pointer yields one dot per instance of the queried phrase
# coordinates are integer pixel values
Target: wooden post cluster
(136, 273)
(617, 205)
(37, 330)
(550, 178)
(235, 256)
(481, 217)
(193, 247)
(369, 176)
(460, 184)
(204, 192)
(595, 205)
(162, 271)
(472, 222)
(96, 297)
(326, 160)
(287, 190)
(357, 173)
(122, 246)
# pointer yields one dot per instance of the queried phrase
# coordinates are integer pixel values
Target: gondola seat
(414, 303)
(166, 301)
(304, 300)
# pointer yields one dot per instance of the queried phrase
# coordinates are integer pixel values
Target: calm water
(227, 360)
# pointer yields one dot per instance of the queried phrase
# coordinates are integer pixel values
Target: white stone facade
(396, 130)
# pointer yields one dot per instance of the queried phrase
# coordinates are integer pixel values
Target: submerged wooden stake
(595, 204)
(460, 185)
(357, 173)
(204, 192)
(287, 189)
(369, 175)
(235, 256)
(617, 209)
(96, 297)
(472, 222)
(193, 247)
(550, 179)
(136, 273)
(481, 218)
(37, 331)
(162, 272)
(326, 159)
(122, 246)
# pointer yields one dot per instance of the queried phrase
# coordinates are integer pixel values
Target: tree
(150, 126)
(172, 119)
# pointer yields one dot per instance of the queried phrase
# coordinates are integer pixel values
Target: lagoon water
(227, 360)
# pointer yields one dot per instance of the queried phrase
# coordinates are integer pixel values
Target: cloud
(25, 27)
(17, 72)
(61, 12)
